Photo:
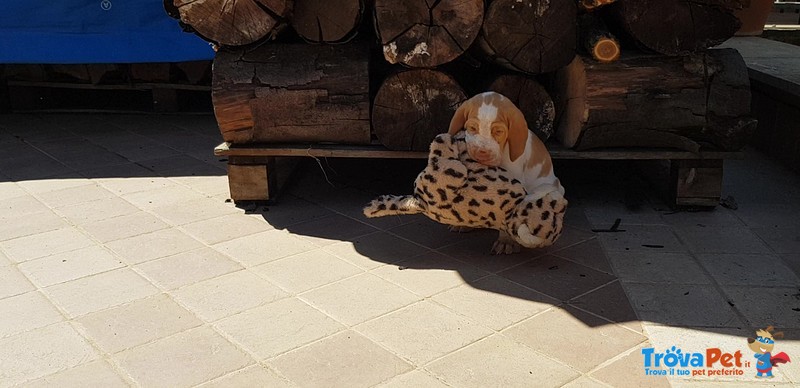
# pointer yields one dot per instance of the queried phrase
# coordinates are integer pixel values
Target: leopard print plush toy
(456, 190)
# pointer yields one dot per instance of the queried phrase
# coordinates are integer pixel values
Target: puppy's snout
(483, 153)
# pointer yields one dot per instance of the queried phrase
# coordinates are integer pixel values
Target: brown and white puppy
(498, 135)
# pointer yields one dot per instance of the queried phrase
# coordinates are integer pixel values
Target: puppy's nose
(483, 154)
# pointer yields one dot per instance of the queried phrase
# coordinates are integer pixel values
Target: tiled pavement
(123, 264)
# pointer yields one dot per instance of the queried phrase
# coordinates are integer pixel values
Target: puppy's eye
(498, 131)
(472, 129)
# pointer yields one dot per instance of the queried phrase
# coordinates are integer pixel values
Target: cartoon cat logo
(763, 345)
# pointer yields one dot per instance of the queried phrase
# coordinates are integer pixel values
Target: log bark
(327, 21)
(427, 33)
(530, 36)
(677, 27)
(701, 100)
(531, 98)
(414, 106)
(591, 5)
(292, 93)
(235, 22)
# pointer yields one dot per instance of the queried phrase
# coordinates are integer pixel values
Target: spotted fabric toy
(456, 190)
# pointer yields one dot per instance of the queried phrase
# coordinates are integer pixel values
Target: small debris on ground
(729, 203)
(614, 228)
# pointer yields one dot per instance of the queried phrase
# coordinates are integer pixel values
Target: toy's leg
(769, 374)
(505, 245)
(460, 229)
(528, 239)
(760, 374)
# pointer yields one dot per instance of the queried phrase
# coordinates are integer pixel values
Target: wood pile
(590, 73)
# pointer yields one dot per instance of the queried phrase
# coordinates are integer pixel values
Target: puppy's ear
(459, 118)
(517, 134)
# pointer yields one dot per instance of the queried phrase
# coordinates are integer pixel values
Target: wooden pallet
(695, 179)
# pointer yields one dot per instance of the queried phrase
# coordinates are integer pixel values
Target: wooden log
(427, 33)
(233, 23)
(597, 40)
(591, 5)
(655, 101)
(414, 106)
(677, 27)
(292, 93)
(327, 21)
(531, 98)
(530, 36)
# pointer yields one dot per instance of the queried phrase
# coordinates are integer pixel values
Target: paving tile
(629, 371)
(330, 230)
(430, 234)
(585, 382)
(172, 195)
(495, 302)
(4, 260)
(292, 210)
(10, 190)
(194, 210)
(207, 184)
(376, 249)
(721, 240)
(45, 244)
(764, 306)
(31, 355)
(769, 216)
(154, 245)
(128, 179)
(176, 164)
(635, 237)
(21, 206)
(124, 226)
(187, 268)
(345, 359)
(227, 295)
(569, 237)
(501, 362)
(252, 376)
(423, 332)
(716, 217)
(677, 304)
(227, 227)
(21, 226)
(430, 273)
(264, 247)
(306, 271)
(781, 240)
(136, 323)
(692, 339)
(80, 155)
(792, 260)
(74, 195)
(589, 253)
(415, 378)
(93, 374)
(183, 360)
(67, 266)
(13, 282)
(790, 344)
(610, 302)
(98, 292)
(657, 267)
(476, 247)
(357, 299)
(575, 218)
(752, 270)
(54, 183)
(89, 212)
(26, 312)
(600, 340)
(556, 277)
(33, 166)
(278, 327)
(604, 216)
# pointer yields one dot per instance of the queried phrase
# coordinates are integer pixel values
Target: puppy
(498, 135)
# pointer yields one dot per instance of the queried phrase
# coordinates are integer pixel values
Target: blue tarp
(94, 31)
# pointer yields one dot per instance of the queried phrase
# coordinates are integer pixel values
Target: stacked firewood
(597, 73)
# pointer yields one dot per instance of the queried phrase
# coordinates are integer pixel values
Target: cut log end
(591, 5)
(327, 21)
(606, 50)
(421, 33)
(414, 106)
(234, 23)
(531, 98)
